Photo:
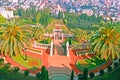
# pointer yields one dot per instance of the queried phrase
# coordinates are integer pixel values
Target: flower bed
(91, 63)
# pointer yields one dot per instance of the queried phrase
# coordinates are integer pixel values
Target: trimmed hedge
(101, 72)
(116, 64)
(16, 69)
(26, 72)
(119, 60)
(38, 75)
(92, 75)
(7, 65)
(1, 61)
(109, 68)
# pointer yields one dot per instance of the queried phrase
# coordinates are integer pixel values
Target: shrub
(116, 64)
(119, 60)
(26, 72)
(7, 65)
(109, 68)
(16, 69)
(1, 61)
(38, 75)
(80, 76)
(92, 75)
(72, 75)
(101, 72)
(85, 74)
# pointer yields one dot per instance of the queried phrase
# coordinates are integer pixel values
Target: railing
(48, 34)
(79, 46)
(68, 35)
(40, 45)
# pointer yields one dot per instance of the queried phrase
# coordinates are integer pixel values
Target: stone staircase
(59, 49)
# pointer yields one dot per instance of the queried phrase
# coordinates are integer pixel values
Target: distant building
(7, 14)
(89, 12)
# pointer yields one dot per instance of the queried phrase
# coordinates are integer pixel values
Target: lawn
(91, 63)
(30, 63)
(10, 75)
(113, 75)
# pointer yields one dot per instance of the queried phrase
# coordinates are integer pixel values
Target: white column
(51, 48)
(67, 48)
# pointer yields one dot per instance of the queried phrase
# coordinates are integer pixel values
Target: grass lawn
(113, 75)
(31, 63)
(10, 75)
(91, 63)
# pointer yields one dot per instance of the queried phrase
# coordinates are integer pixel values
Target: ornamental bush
(16, 69)
(116, 64)
(38, 75)
(101, 72)
(119, 60)
(26, 72)
(109, 68)
(7, 65)
(1, 61)
(92, 75)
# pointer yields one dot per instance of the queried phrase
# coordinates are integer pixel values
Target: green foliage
(38, 75)
(6, 74)
(16, 69)
(72, 75)
(85, 74)
(92, 75)
(45, 17)
(7, 65)
(109, 68)
(101, 72)
(13, 38)
(1, 61)
(46, 41)
(38, 17)
(116, 64)
(26, 72)
(82, 21)
(105, 42)
(44, 74)
(2, 19)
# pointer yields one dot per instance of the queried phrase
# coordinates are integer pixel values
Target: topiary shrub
(38, 75)
(16, 69)
(116, 64)
(72, 75)
(101, 72)
(80, 76)
(26, 72)
(109, 68)
(85, 74)
(1, 61)
(92, 75)
(119, 60)
(7, 65)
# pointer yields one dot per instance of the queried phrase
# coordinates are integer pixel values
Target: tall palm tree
(38, 32)
(13, 38)
(81, 34)
(106, 42)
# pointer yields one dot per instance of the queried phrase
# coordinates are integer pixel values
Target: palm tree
(79, 33)
(106, 42)
(13, 38)
(38, 32)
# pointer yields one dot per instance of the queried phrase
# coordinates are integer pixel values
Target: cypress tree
(72, 75)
